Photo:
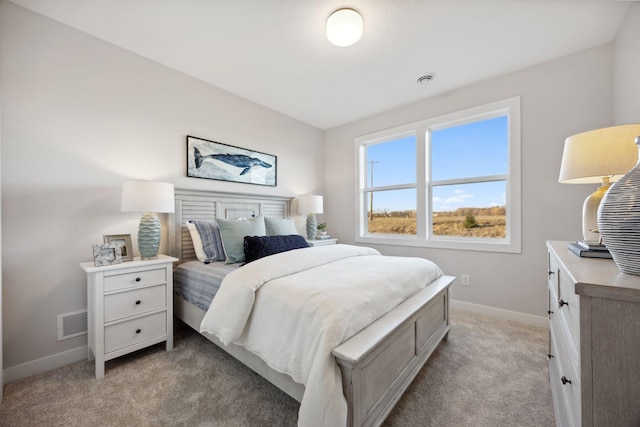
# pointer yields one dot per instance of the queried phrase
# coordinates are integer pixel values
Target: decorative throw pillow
(279, 226)
(233, 232)
(207, 241)
(256, 247)
(197, 242)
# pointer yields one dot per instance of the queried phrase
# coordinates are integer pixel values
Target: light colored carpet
(489, 373)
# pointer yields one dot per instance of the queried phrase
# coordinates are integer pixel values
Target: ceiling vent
(426, 79)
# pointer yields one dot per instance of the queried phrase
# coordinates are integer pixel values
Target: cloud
(454, 200)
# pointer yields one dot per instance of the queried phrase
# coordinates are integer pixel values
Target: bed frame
(377, 364)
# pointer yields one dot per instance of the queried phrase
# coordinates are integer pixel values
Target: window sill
(463, 245)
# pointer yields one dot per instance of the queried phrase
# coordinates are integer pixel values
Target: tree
(470, 222)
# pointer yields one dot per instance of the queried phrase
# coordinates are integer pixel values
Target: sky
(471, 150)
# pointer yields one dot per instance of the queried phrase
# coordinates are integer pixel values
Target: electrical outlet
(466, 280)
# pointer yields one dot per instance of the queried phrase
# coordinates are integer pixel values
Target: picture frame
(215, 160)
(123, 241)
(106, 254)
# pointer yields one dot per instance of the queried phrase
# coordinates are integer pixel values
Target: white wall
(559, 98)
(627, 69)
(80, 116)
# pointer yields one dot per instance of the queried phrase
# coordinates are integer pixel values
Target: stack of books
(589, 249)
(325, 237)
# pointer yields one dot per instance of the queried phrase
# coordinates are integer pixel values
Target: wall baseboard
(502, 314)
(37, 366)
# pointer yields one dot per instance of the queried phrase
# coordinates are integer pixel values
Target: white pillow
(197, 242)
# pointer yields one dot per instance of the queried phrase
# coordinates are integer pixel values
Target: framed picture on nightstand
(123, 241)
(106, 254)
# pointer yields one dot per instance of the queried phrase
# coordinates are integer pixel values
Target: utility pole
(371, 163)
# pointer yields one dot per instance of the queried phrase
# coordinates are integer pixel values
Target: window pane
(470, 210)
(393, 162)
(473, 149)
(393, 212)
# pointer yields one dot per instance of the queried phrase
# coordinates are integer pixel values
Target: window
(451, 182)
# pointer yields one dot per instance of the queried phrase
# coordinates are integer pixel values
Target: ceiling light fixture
(344, 27)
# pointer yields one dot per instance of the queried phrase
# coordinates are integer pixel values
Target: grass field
(489, 226)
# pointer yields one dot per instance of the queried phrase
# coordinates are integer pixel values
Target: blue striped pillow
(211, 240)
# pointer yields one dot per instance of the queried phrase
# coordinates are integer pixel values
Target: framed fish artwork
(215, 160)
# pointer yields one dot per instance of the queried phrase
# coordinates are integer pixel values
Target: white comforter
(294, 308)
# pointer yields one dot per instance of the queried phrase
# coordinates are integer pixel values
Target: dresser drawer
(566, 396)
(134, 278)
(134, 331)
(136, 301)
(567, 304)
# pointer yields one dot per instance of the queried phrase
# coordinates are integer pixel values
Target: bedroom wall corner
(627, 68)
(79, 116)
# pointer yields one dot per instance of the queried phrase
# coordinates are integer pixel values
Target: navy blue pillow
(256, 247)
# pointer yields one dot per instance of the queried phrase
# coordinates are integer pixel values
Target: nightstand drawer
(134, 331)
(133, 302)
(136, 278)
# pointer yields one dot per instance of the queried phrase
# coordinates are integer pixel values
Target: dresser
(130, 306)
(594, 340)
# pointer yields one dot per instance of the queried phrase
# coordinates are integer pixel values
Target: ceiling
(275, 53)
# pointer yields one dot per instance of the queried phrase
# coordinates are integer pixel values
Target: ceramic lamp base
(149, 236)
(311, 226)
(590, 212)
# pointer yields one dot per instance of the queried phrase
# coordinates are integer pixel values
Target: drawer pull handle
(138, 302)
(565, 380)
(140, 330)
(550, 356)
(138, 279)
(551, 273)
(562, 302)
(549, 312)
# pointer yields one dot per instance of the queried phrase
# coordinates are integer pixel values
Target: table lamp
(310, 205)
(598, 156)
(150, 198)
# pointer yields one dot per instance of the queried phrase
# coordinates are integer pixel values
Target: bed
(376, 364)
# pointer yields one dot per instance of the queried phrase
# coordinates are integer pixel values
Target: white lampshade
(589, 156)
(344, 27)
(598, 156)
(310, 204)
(147, 196)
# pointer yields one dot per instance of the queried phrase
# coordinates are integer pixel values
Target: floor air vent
(72, 324)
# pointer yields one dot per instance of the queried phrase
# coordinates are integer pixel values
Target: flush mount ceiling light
(344, 27)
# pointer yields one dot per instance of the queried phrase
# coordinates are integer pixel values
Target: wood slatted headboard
(208, 205)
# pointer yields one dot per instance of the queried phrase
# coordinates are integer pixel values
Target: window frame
(424, 185)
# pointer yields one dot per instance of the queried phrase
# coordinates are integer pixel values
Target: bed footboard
(379, 363)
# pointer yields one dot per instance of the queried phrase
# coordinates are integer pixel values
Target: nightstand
(324, 242)
(130, 306)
